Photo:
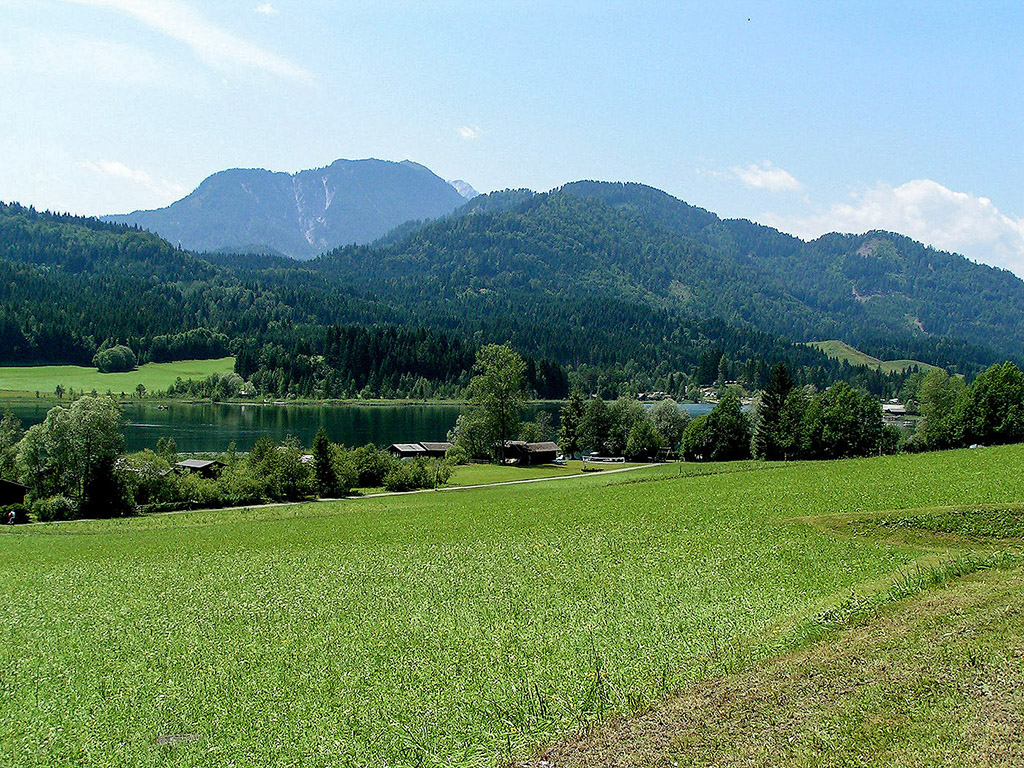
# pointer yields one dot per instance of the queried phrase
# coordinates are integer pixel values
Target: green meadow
(842, 351)
(466, 627)
(153, 376)
(479, 474)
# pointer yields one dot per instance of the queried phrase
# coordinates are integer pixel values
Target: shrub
(146, 476)
(416, 474)
(115, 359)
(54, 508)
(371, 464)
(457, 455)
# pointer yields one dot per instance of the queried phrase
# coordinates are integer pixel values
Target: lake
(200, 427)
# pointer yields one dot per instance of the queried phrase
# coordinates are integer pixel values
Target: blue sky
(810, 116)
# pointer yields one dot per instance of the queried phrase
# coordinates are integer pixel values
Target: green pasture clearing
(153, 376)
(479, 474)
(842, 351)
(465, 627)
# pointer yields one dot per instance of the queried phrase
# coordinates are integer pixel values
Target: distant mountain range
(605, 279)
(885, 293)
(301, 214)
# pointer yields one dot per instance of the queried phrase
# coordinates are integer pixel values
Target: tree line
(557, 278)
(74, 466)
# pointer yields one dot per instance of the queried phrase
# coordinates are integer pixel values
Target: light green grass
(479, 474)
(463, 627)
(153, 376)
(933, 680)
(841, 351)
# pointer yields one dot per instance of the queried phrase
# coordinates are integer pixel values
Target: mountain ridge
(299, 214)
(878, 291)
(608, 279)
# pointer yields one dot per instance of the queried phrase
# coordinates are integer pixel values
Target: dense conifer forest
(615, 288)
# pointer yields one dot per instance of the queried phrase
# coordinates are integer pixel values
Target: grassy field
(842, 351)
(936, 679)
(153, 376)
(469, 627)
(478, 474)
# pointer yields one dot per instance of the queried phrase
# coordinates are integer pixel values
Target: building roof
(12, 484)
(406, 447)
(199, 463)
(441, 446)
(542, 447)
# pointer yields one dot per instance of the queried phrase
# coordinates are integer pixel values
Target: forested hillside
(880, 291)
(617, 287)
(884, 293)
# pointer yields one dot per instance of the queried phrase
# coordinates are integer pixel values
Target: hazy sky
(810, 116)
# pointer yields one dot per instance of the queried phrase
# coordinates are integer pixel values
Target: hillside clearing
(844, 352)
(153, 376)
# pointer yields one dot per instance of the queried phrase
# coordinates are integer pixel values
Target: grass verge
(932, 679)
(153, 376)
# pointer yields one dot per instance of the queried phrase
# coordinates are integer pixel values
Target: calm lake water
(198, 427)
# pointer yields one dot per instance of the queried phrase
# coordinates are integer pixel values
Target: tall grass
(464, 627)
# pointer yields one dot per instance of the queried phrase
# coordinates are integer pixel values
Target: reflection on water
(212, 426)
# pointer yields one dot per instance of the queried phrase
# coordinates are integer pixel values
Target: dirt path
(602, 473)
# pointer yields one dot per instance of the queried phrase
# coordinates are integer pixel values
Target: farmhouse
(424, 449)
(407, 450)
(202, 467)
(528, 454)
(436, 450)
(12, 493)
(892, 413)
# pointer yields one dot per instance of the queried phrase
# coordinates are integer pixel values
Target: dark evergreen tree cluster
(610, 288)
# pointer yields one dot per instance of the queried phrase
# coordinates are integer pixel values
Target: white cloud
(166, 190)
(266, 9)
(469, 132)
(210, 43)
(766, 176)
(927, 211)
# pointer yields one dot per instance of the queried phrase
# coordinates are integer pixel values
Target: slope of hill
(301, 214)
(885, 293)
(621, 284)
(842, 351)
(68, 285)
(890, 296)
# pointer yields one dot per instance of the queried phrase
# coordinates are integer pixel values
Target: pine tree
(323, 466)
(767, 439)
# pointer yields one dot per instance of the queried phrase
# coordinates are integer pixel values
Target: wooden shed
(528, 454)
(436, 450)
(407, 450)
(12, 493)
(208, 468)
